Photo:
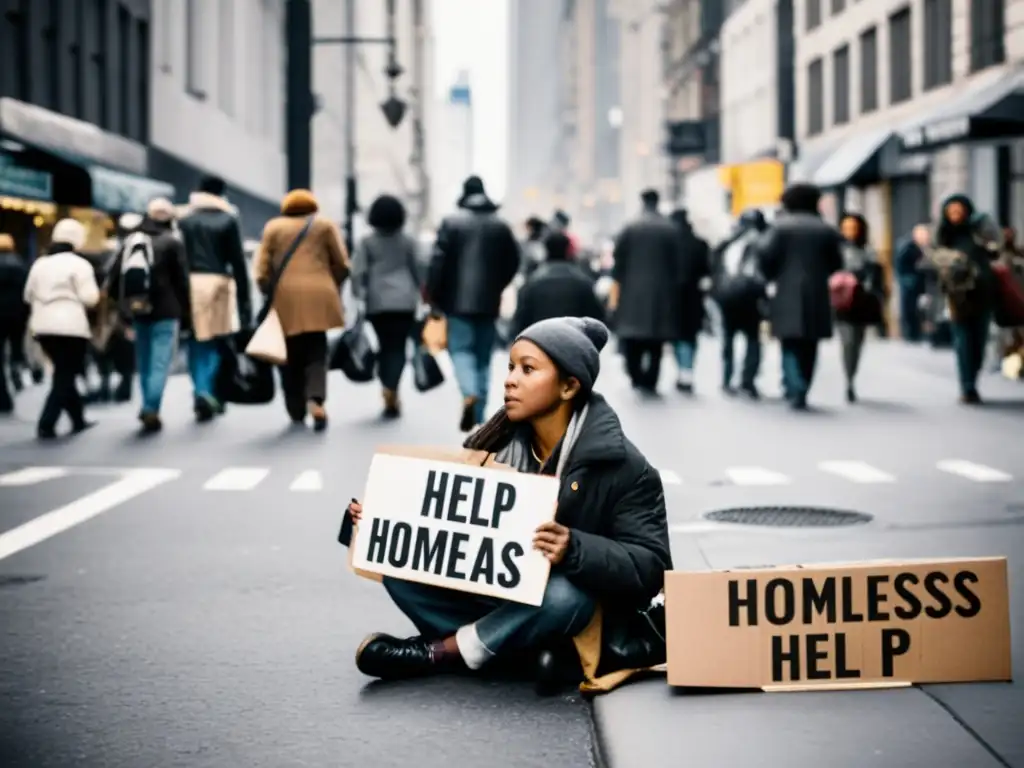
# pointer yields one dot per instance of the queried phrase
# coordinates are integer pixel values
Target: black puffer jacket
(169, 292)
(614, 502)
(475, 258)
(556, 289)
(13, 274)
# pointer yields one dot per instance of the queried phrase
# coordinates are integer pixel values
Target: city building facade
(903, 102)
(536, 151)
(74, 122)
(386, 160)
(454, 142)
(217, 107)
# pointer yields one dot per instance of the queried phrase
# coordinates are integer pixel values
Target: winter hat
(574, 343)
(69, 232)
(299, 202)
(160, 209)
(129, 221)
(212, 185)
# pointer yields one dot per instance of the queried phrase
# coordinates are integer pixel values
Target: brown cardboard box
(453, 455)
(852, 625)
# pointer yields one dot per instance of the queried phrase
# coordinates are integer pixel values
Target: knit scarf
(518, 452)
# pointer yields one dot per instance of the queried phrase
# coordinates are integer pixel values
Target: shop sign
(939, 132)
(686, 137)
(61, 134)
(24, 182)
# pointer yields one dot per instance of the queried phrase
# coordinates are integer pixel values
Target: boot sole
(362, 647)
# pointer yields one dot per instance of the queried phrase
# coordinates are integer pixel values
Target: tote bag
(268, 343)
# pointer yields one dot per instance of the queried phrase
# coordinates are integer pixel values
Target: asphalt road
(199, 611)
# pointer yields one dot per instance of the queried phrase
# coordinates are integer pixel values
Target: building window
(76, 52)
(124, 85)
(901, 80)
(51, 52)
(812, 14)
(838, 6)
(869, 70)
(142, 84)
(938, 43)
(98, 56)
(226, 53)
(195, 71)
(988, 32)
(841, 85)
(18, 27)
(163, 16)
(815, 97)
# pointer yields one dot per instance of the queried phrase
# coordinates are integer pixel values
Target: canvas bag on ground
(268, 342)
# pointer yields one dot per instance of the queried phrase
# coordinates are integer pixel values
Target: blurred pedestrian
(149, 282)
(475, 258)
(219, 282)
(307, 298)
(911, 280)
(61, 289)
(533, 252)
(559, 288)
(386, 279)
(13, 319)
(647, 277)
(739, 290)
(799, 254)
(861, 261)
(695, 268)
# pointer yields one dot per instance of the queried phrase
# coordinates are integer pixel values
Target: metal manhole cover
(18, 581)
(788, 517)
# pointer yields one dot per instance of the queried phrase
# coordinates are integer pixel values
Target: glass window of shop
(29, 222)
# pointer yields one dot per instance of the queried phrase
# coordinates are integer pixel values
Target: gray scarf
(517, 454)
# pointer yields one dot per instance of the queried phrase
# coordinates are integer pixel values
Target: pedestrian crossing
(245, 479)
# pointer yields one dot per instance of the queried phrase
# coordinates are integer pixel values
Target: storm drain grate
(788, 517)
(18, 581)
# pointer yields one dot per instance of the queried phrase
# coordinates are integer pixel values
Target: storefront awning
(854, 161)
(117, 191)
(989, 111)
(810, 157)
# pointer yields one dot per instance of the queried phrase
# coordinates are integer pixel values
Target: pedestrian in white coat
(60, 289)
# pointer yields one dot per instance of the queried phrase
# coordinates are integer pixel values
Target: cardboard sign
(457, 526)
(839, 626)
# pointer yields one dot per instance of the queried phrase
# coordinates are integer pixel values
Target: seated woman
(608, 544)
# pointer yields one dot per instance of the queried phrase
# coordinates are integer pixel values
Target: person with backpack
(386, 279)
(739, 290)
(149, 283)
(963, 255)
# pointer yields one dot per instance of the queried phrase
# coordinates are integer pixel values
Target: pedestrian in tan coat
(307, 298)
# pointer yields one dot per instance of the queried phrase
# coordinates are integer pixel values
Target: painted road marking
(236, 479)
(309, 480)
(670, 477)
(755, 476)
(134, 483)
(856, 471)
(979, 473)
(32, 475)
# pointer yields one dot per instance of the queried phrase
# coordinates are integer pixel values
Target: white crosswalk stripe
(856, 471)
(307, 482)
(32, 475)
(755, 476)
(668, 477)
(236, 479)
(979, 473)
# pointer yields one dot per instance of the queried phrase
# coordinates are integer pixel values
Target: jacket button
(575, 486)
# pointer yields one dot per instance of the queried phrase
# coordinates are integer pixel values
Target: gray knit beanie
(574, 343)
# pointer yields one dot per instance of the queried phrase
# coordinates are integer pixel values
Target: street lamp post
(393, 107)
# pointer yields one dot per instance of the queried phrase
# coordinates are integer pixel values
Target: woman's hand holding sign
(355, 509)
(552, 541)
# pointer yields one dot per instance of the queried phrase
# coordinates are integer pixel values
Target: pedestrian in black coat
(559, 288)
(13, 319)
(695, 266)
(645, 295)
(799, 254)
(608, 544)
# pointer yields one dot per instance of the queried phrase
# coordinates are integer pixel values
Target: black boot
(391, 658)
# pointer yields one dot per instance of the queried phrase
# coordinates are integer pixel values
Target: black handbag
(353, 354)
(241, 379)
(427, 374)
(634, 639)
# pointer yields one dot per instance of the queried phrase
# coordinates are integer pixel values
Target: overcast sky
(472, 35)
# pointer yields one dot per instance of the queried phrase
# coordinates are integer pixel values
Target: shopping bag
(241, 379)
(268, 343)
(435, 334)
(1009, 299)
(427, 374)
(353, 354)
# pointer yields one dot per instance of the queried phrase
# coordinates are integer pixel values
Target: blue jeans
(799, 359)
(751, 355)
(969, 340)
(155, 345)
(502, 627)
(686, 354)
(471, 345)
(910, 314)
(203, 364)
